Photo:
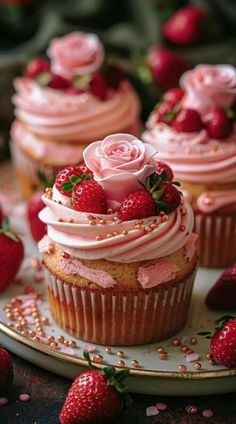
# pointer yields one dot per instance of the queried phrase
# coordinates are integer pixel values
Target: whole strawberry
(89, 196)
(69, 176)
(36, 67)
(170, 199)
(58, 82)
(223, 342)
(94, 397)
(188, 120)
(6, 369)
(11, 254)
(35, 205)
(173, 95)
(185, 26)
(223, 294)
(99, 86)
(166, 67)
(138, 204)
(218, 124)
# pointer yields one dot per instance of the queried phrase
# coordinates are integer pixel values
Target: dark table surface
(48, 392)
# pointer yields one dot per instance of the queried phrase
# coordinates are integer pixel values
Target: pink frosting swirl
(207, 86)
(193, 156)
(130, 242)
(74, 54)
(119, 163)
(78, 119)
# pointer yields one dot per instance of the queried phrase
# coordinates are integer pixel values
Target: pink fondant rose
(75, 54)
(119, 163)
(208, 86)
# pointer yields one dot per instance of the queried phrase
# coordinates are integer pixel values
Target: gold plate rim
(63, 357)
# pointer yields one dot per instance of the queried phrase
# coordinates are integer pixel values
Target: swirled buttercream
(59, 116)
(194, 157)
(110, 239)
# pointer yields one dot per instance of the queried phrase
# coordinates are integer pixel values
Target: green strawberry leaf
(67, 187)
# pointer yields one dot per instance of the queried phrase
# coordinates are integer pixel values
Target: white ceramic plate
(153, 375)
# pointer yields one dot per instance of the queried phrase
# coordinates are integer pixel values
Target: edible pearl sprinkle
(191, 409)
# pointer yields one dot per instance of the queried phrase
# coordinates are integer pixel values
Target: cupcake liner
(28, 171)
(120, 319)
(217, 239)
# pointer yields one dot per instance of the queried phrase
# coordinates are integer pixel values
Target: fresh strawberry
(218, 125)
(188, 120)
(6, 369)
(99, 86)
(94, 397)
(165, 112)
(223, 294)
(36, 67)
(173, 95)
(185, 26)
(138, 204)
(58, 82)
(77, 173)
(11, 254)
(166, 67)
(163, 167)
(170, 199)
(35, 205)
(223, 342)
(89, 196)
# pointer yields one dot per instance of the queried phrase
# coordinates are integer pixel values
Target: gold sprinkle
(160, 349)
(98, 358)
(121, 363)
(124, 232)
(191, 409)
(148, 229)
(61, 339)
(163, 355)
(184, 348)
(176, 342)
(91, 222)
(193, 340)
(134, 363)
(110, 210)
(120, 354)
(102, 221)
(182, 368)
(109, 235)
(72, 343)
(197, 365)
(98, 238)
(108, 350)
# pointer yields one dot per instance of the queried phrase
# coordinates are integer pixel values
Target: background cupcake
(63, 104)
(120, 254)
(194, 130)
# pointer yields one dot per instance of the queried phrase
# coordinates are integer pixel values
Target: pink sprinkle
(151, 410)
(90, 348)
(27, 311)
(24, 397)
(192, 357)
(38, 278)
(207, 413)
(184, 339)
(68, 350)
(3, 401)
(30, 320)
(161, 406)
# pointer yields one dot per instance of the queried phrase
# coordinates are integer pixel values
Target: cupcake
(64, 103)
(119, 254)
(194, 131)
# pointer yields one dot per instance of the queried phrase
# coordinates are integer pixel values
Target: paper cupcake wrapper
(28, 170)
(120, 319)
(217, 239)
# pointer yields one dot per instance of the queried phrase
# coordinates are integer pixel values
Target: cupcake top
(120, 205)
(194, 129)
(74, 96)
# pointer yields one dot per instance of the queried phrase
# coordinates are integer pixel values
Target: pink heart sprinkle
(3, 401)
(24, 397)
(161, 406)
(151, 410)
(207, 413)
(192, 357)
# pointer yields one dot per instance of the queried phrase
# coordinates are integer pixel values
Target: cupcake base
(122, 318)
(217, 239)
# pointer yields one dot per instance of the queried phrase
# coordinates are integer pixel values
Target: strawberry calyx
(157, 189)
(114, 378)
(220, 323)
(6, 229)
(68, 187)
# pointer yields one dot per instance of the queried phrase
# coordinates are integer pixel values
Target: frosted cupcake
(120, 255)
(64, 103)
(194, 131)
